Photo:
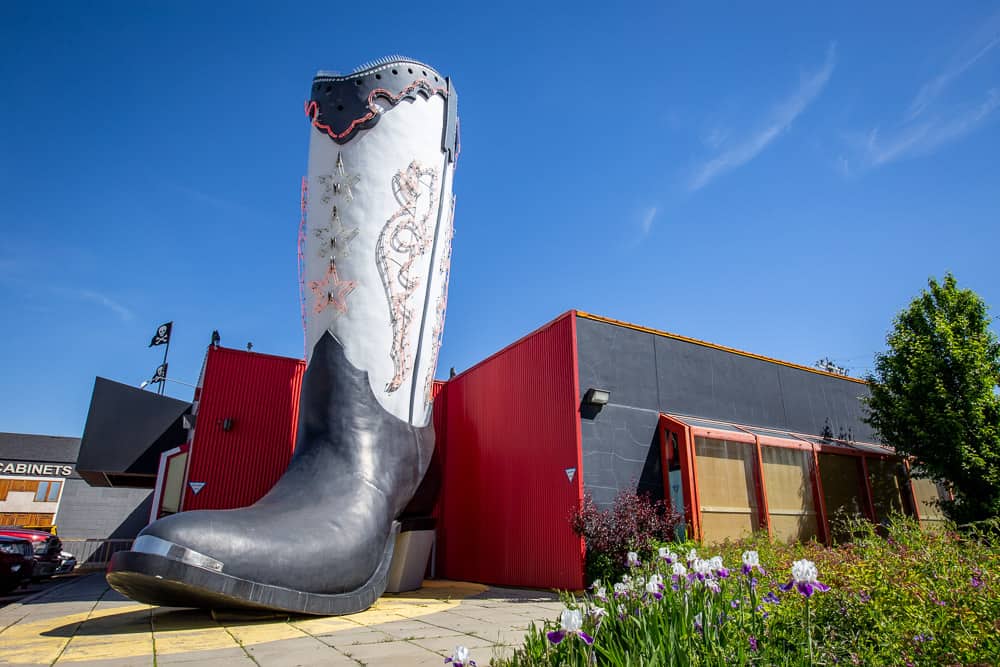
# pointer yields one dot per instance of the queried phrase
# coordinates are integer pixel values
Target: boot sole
(156, 579)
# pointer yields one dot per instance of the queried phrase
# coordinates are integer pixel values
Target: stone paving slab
(83, 622)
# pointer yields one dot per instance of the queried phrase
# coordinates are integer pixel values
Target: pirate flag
(162, 335)
(160, 374)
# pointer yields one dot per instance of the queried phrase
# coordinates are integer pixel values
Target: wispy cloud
(923, 138)
(978, 46)
(738, 153)
(647, 220)
(102, 299)
(931, 119)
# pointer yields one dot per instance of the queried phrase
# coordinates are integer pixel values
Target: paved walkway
(83, 622)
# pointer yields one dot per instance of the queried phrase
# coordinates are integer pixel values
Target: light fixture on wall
(597, 396)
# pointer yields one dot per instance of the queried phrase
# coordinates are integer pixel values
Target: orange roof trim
(695, 341)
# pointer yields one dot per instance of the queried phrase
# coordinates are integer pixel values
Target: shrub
(634, 522)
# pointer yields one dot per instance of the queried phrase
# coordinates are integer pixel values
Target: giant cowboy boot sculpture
(381, 158)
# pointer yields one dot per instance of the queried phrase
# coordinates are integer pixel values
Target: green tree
(934, 395)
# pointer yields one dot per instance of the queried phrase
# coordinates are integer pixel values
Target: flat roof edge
(722, 348)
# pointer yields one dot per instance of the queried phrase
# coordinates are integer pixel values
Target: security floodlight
(597, 396)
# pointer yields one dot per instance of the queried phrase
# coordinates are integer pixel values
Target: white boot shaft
(378, 231)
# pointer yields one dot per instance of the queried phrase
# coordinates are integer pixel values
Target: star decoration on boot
(339, 183)
(332, 291)
(335, 239)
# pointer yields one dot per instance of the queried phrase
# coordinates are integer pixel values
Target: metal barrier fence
(94, 554)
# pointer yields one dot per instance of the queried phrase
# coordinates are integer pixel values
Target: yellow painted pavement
(410, 628)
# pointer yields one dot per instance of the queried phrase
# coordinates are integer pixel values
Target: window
(890, 493)
(928, 494)
(788, 480)
(727, 488)
(48, 492)
(842, 492)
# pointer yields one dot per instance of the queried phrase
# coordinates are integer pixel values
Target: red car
(47, 548)
(17, 562)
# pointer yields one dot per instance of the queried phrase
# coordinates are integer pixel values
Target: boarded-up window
(890, 494)
(842, 492)
(17, 485)
(789, 493)
(727, 490)
(927, 493)
(26, 519)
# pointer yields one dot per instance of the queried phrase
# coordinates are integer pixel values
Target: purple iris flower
(572, 624)
(700, 569)
(976, 582)
(460, 658)
(717, 568)
(753, 643)
(804, 579)
(655, 586)
(751, 562)
(771, 598)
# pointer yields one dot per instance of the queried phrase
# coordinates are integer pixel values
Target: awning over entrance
(127, 429)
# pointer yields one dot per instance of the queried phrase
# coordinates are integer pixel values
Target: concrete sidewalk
(83, 622)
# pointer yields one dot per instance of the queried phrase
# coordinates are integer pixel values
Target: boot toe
(335, 556)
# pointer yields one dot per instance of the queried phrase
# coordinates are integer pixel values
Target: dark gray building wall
(101, 512)
(647, 374)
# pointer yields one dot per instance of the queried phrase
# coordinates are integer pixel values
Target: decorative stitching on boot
(444, 269)
(403, 239)
(419, 86)
(303, 205)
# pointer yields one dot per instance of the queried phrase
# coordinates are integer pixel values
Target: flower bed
(908, 598)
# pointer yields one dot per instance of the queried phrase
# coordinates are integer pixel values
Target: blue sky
(781, 180)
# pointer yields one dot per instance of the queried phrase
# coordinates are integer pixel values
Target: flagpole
(165, 351)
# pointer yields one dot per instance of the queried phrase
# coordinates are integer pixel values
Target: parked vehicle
(46, 546)
(17, 562)
(67, 562)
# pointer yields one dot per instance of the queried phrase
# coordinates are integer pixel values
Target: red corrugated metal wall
(260, 393)
(510, 431)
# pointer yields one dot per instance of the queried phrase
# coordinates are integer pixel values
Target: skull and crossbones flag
(160, 374)
(162, 335)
